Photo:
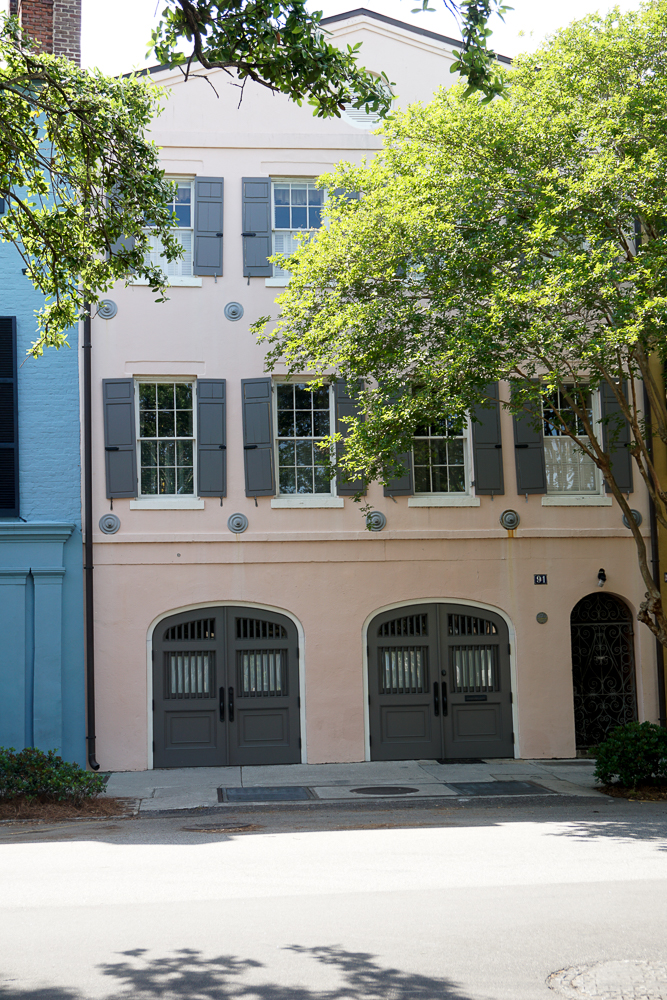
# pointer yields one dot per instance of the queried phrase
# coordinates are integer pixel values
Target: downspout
(88, 536)
(655, 562)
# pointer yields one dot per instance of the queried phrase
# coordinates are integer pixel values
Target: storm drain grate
(498, 788)
(384, 790)
(460, 760)
(279, 793)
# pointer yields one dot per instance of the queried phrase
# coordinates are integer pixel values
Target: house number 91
(540, 578)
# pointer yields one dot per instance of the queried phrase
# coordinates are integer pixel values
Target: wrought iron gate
(603, 668)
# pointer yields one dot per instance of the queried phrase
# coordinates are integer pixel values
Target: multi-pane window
(297, 207)
(166, 438)
(568, 469)
(181, 205)
(303, 420)
(439, 457)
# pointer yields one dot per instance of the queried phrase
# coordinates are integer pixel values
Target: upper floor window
(568, 469)
(297, 207)
(166, 438)
(440, 457)
(303, 419)
(182, 206)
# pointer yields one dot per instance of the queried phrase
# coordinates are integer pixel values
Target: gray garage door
(439, 684)
(226, 689)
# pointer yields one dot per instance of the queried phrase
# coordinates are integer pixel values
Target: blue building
(42, 670)
(42, 675)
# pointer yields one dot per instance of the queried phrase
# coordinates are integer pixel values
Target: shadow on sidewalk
(187, 973)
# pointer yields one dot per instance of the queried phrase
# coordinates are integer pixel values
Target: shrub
(33, 774)
(633, 753)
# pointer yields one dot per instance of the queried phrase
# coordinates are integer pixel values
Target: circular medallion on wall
(233, 311)
(109, 524)
(376, 520)
(542, 618)
(510, 519)
(636, 516)
(107, 309)
(237, 523)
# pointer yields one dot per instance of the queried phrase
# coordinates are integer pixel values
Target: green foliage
(33, 774)
(276, 43)
(77, 174)
(633, 754)
(519, 240)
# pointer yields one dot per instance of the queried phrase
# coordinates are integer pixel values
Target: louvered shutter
(531, 475)
(9, 424)
(346, 406)
(256, 207)
(209, 205)
(211, 438)
(120, 443)
(616, 439)
(258, 437)
(487, 446)
(403, 486)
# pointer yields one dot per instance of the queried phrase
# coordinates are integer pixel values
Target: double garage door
(439, 684)
(226, 689)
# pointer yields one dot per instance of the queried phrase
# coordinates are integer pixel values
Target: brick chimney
(54, 24)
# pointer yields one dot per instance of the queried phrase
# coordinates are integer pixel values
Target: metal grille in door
(403, 669)
(203, 628)
(262, 673)
(408, 625)
(189, 674)
(473, 669)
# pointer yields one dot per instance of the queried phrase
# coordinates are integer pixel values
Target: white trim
(443, 500)
(174, 282)
(276, 282)
(439, 600)
(578, 500)
(307, 500)
(167, 503)
(225, 604)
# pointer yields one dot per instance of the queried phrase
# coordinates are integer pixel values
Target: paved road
(412, 904)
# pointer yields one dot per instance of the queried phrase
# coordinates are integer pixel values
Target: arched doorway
(439, 684)
(603, 668)
(225, 689)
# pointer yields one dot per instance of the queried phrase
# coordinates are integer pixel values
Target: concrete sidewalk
(192, 788)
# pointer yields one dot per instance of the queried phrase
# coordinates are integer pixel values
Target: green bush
(33, 774)
(632, 754)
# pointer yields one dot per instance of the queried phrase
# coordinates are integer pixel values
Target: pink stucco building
(244, 613)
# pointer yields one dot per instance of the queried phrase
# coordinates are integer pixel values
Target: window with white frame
(440, 457)
(304, 417)
(166, 438)
(182, 207)
(568, 469)
(297, 208)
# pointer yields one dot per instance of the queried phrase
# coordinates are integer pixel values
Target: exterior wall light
(602, 578)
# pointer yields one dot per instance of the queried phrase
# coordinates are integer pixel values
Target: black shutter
(402, 487)
(9, 420)
(209, 203)
(346, 406)
(257, 227)
(487, 446)
(211, 438)
(616, 439)
(120, 443)
(531, 474)
(258, 437)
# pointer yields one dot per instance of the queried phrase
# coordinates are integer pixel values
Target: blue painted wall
(42, 675)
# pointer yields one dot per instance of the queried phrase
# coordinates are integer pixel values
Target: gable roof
(364, 12)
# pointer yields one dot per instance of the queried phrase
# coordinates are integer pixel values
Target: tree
(522, 240)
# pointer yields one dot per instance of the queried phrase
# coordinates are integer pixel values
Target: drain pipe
(655, 561)
(88, 536)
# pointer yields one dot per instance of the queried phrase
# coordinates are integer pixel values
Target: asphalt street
(307, 904)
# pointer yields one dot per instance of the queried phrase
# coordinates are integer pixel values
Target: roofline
(358, 12)
(362, 11)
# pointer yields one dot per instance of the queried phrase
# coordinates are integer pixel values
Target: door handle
(444, 698)
(231, 704)
(436, 701)
(221, 694)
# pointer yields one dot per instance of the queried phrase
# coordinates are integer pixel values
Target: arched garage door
(225, 689)
(439, 684)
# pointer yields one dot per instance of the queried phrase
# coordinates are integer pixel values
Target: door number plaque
(540, 578)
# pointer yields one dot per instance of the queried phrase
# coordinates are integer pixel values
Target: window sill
(443, 501)
(276, 282)
(581, 500)
(308, 500)
(167, 503)
(173, 282)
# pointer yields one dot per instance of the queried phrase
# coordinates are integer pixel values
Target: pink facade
(309, 557)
